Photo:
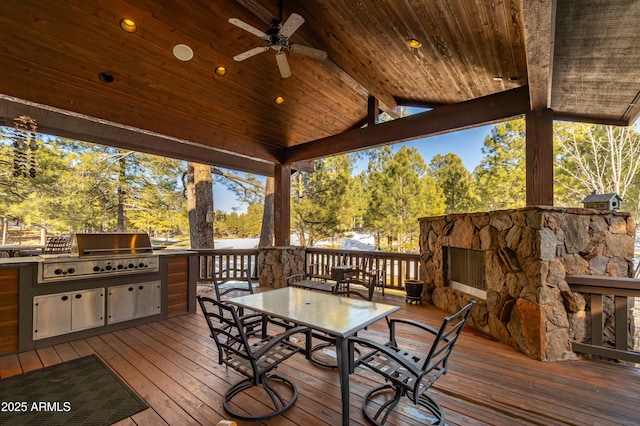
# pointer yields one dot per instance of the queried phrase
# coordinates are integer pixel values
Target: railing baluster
(596, 319)
(620, 289)
(622, 318)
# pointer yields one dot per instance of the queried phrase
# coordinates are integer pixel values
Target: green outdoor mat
(79, 392)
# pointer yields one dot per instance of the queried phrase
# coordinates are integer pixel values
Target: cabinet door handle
(130, 288)
(141, 287)
(78, 296)
(65, 297)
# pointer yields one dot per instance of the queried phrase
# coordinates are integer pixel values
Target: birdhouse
(602, 201)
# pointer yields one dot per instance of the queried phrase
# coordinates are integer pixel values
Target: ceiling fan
(277, 38)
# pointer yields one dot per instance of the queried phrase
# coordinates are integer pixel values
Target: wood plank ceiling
(581, 61)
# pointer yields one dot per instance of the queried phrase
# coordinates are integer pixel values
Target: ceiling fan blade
(247, 27)
(291, 25)
(309, 51)
(283, 64)
(249, 53)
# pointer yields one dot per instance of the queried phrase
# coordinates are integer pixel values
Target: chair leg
(279, 402)
(322, 363)
(386, 408)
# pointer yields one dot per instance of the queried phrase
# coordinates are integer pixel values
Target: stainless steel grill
(97, 255)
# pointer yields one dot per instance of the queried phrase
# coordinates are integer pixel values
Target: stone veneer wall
(529, 252)
(277, 263)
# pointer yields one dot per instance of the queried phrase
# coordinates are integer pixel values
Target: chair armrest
(392, 327)
(279, 338)
(389, 351)
(295, 277)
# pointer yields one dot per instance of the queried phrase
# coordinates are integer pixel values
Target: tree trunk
(266, 233)
(5, 229)
(122, 194)
(200, 205)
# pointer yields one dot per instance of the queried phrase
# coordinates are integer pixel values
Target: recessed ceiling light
(497, 78)
(413, 43)
(182, 52)
(106, 77)
(279, 100)
(221, 71)
(128, 25)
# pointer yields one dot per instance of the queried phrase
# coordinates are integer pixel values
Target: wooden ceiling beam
(65, 124)
(475, 112)
(539, 29)
(386, 100)
(418, 104)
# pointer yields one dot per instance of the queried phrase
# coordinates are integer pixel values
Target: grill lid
(117, 243)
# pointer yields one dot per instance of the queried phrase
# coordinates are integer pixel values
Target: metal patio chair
(255, 359)
(360, 283)
(408, 373)
(231, 279)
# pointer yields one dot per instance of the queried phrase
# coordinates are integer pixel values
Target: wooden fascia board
(633, 110)
(74, 126)
(539, 28)
(475, 112)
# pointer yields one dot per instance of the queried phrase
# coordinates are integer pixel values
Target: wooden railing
(620, 289)
(397, 267)
(226, 259)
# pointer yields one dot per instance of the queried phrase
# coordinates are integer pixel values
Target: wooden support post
(373, 110)
(539, 158)
(282, 205)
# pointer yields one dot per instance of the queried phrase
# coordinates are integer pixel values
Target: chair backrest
(369, 280)
(226, 330)
(446, 339)
(232, 274)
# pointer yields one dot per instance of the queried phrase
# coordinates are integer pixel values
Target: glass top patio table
(337, 316)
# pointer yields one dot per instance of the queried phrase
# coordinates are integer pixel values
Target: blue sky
(467, 144)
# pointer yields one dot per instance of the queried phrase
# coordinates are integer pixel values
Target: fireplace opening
(465, 270)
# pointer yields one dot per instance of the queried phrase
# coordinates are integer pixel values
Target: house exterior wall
(529, 252)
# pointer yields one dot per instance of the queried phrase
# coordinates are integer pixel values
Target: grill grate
(58, 245)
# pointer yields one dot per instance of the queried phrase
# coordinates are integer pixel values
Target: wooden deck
(173, 366)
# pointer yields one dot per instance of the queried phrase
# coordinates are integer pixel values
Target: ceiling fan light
(413, 43)
(182, 52)
(279, 100)
(128, 25)
(221, 71)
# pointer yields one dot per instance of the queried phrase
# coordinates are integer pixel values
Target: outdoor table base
(338, 317)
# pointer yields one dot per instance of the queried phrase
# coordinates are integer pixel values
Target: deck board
(173, 365)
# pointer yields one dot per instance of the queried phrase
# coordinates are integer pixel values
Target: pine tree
(501, 174)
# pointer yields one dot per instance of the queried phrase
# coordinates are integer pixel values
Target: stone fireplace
(527, 253)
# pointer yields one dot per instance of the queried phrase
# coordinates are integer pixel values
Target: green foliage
(501, 174)
(234, 225)
(80, 187)
(399, 191)
(456, 182)
(325, 202)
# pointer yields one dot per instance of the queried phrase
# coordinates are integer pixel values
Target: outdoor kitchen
(105, 282)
